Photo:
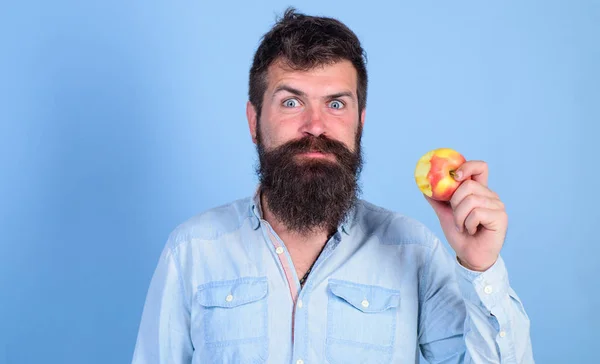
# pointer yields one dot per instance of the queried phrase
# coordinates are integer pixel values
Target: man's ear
(363, 114)
(251, 116)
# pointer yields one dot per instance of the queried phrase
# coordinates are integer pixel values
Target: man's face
(320, 101)
(308, 140)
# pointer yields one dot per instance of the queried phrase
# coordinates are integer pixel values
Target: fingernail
(458, 174)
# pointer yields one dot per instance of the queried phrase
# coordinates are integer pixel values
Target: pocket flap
(232, 293)
(365, 298)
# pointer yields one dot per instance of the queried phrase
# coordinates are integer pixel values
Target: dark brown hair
(303, 42)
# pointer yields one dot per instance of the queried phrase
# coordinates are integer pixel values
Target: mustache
(321, 144)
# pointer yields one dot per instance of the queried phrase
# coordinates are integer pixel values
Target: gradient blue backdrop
(121, 119)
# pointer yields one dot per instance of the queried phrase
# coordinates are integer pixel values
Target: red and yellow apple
(434, 173)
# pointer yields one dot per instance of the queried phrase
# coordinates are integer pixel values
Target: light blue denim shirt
(383, 289)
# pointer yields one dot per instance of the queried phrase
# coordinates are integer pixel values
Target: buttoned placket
(299, 295)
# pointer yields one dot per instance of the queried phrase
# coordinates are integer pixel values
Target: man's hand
(474, 221)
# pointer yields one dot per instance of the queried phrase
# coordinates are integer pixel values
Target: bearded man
(303, 270)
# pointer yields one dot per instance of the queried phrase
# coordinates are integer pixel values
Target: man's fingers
(471, 187)
(471, 203)
(490, 219)
(475, 170)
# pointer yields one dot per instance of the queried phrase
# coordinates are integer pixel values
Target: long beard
(310, 194)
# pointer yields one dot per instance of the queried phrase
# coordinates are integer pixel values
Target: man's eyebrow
(295, 91)
(340, 94)
(289, 89)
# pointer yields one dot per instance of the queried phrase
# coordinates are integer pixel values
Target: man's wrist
(488, 287)
(478, 269)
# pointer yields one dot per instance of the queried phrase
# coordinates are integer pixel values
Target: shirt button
(299, 361)
(502, 333)
(365, 303)
(299, 304)
(229, 298)
(279, 250)
(488, 289)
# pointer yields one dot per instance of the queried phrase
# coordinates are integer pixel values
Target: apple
(434, 173)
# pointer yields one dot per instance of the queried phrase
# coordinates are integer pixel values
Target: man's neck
(304, 248)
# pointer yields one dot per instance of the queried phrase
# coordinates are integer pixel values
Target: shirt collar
(255, 208)
(256, 214)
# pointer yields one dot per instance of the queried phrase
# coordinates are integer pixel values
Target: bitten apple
(434, 173)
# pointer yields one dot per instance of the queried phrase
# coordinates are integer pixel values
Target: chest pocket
(234, 320)
(361, 323)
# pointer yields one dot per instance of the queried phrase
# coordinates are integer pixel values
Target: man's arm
(164, 332)
(471, 317)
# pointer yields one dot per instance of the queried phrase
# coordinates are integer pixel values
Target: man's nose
(314, 123)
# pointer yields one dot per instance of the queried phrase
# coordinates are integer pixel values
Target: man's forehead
(339, 74)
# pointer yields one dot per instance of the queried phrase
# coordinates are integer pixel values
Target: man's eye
(291, 103)
(336, 104)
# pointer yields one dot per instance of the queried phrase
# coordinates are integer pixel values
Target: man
(304, 271)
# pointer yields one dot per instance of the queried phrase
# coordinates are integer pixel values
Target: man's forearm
(497, 328)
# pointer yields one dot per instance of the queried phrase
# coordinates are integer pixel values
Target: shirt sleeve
(471, 317)
(164, 331)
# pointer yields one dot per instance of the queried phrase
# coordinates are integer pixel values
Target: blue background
(121, 119)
